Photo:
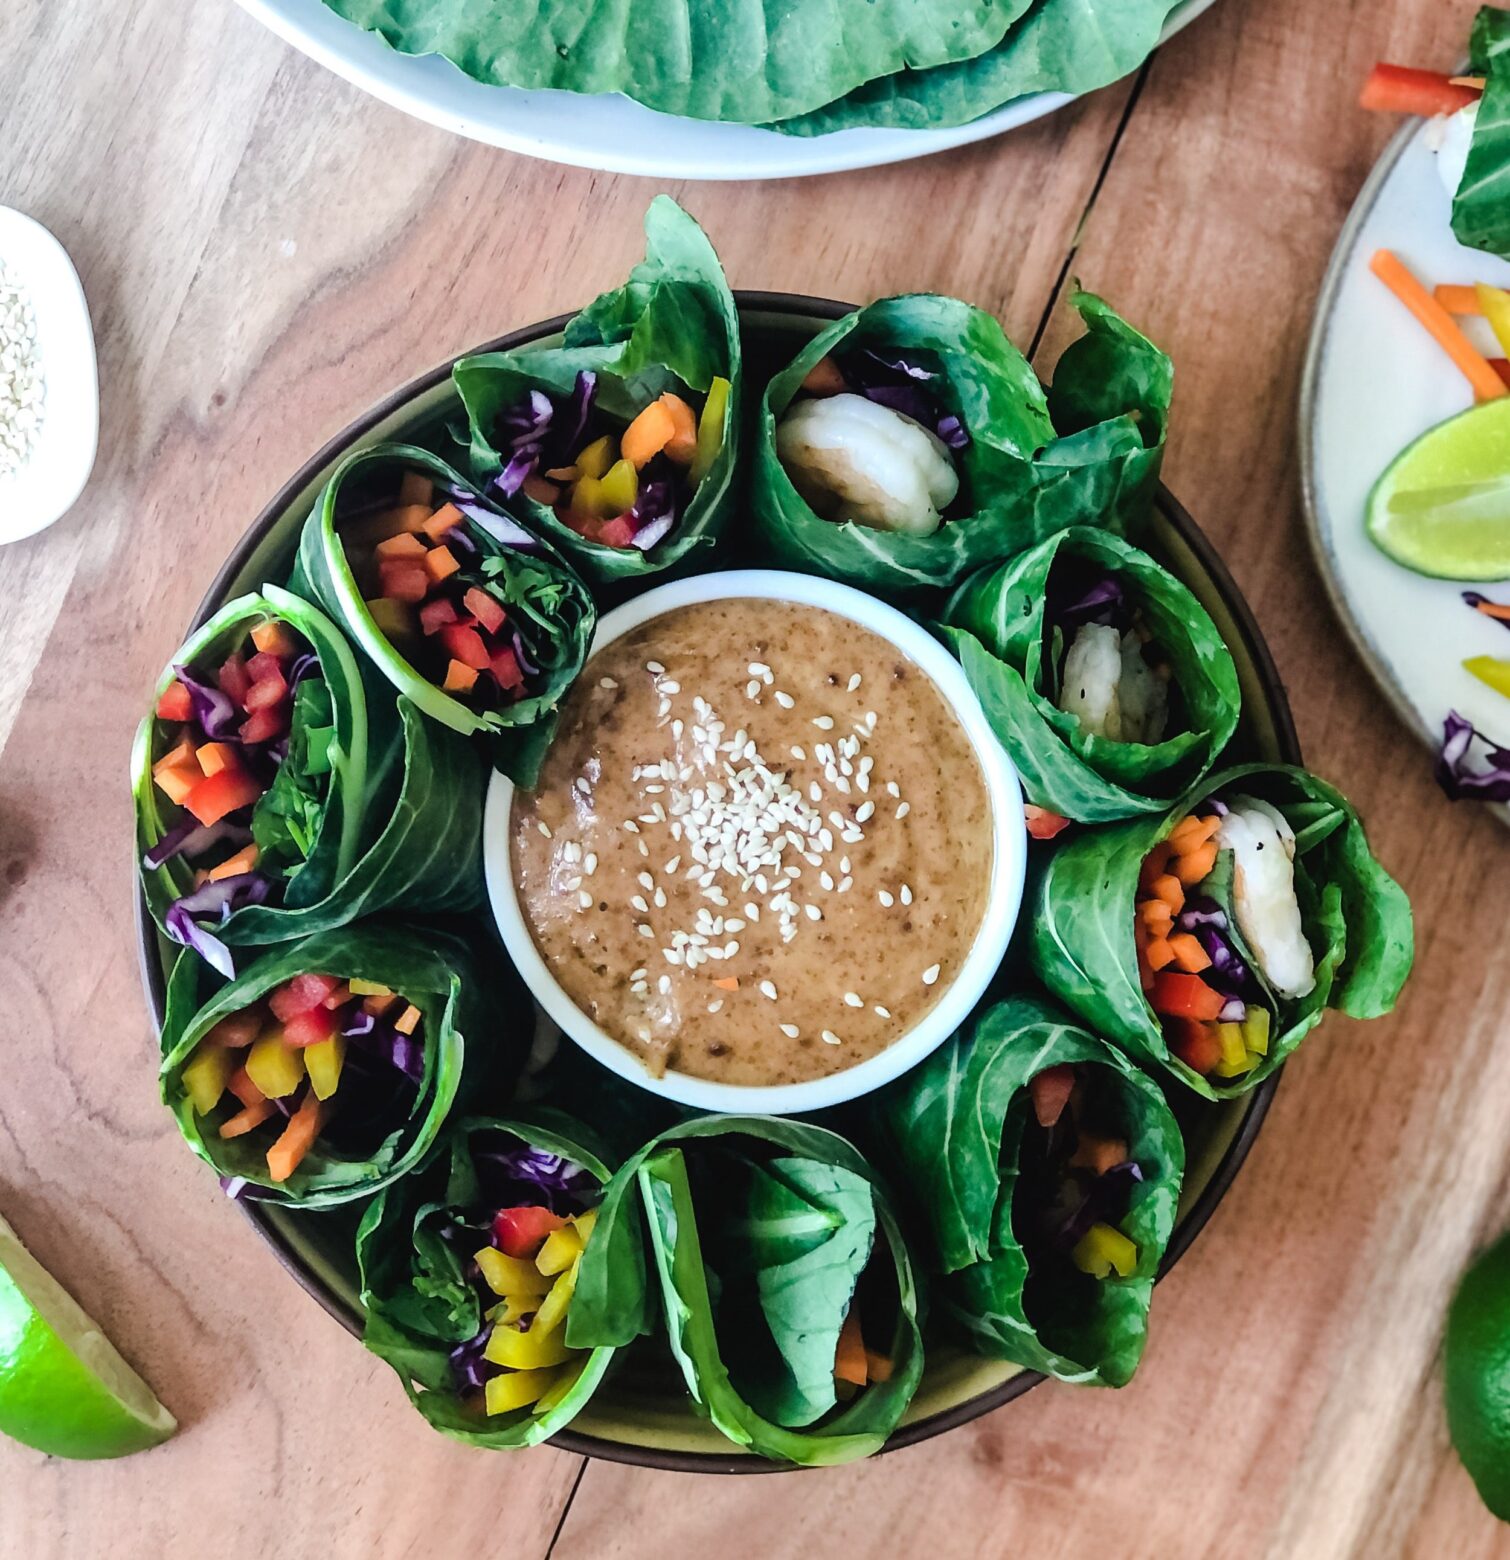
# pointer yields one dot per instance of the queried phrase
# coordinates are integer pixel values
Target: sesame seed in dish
(775, 903)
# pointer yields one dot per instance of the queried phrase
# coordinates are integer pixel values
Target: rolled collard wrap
(477, 620)
(278, 794)
(621, 444)
(910, 443)
(328, 1067)
(1481, 197)
(469, 1269)
(1099, 671)
(787, 1290)
(1210, 940)
(1046, 1168)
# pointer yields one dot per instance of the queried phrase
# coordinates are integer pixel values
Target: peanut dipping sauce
(761, 846)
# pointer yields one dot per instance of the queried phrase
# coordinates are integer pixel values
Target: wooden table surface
(266, 252)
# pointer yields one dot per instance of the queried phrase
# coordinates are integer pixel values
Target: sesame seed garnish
(646, 881)
(589, 863)
(791, 1031)
(798, 753)
(714, 1007)
(930, 975)
(813, 912)
(854, 682)
(830, 1038)
(886, 898)
(824, 722)
(631, 826)
(903, 810)
(654, 668)
(607, 682)
(669, 686)
(752, 690)
(906, 895)
(768, 989)
(882, 1012)
(543, 827)
(785, 700)
(670, 867)
(865, 812)
(584, 899)
(893, 789)
(644, 930)
(852, 999)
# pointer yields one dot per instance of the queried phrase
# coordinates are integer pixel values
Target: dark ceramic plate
(642, 1414)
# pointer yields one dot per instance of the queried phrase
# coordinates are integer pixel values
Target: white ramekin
(1003, 900)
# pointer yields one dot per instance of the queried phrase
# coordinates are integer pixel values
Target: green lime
(63, 1387)
(1443, 506)
(1478, 1375)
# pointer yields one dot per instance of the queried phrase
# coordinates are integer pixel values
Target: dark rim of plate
(1258, 1102)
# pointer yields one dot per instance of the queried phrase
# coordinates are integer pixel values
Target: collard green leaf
(995, 625)
(1356, 918)
(742, 60)
(464, 1048)
(1070, 46)
(1022, 479)
(546, 602)
(671, 327)
(956, 1126)
(1481, 206)
(418, 1299)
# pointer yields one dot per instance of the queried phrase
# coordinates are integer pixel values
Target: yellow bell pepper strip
(1256, 1030)
(595, 460)
(532, 1350)
(508, 1276)
(710, 429)
(1494, 305)
(367, 988)
(507, 1312)
(1491, 671)
(275, 1068)
(517, 1389)
(552, 1310)
(205, 1077)
(324, 1061)
(1102, 1251)
(562, 1247)
(566, 1379)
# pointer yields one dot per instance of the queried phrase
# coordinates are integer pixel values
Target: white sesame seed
(644, 930)
(607, 682)
(714, 1007)
(584, 899)
(851, 999)
(543, 827)
(854, 682)
(798, 753)
(886, 899)
(672, 865)
(768, 989)
(734, 924)
(892, 788)
(785, 700)
(631, 826)
(903, 810)
(882, 1012)
(654, 668)
(824, 722)
(930, 975)
(752, 689)
(865, 812)
(670, 686)
(830, 1038)
(906, 895)
(826, 880)
(813, 912)
(646, 881)
(791, 1031)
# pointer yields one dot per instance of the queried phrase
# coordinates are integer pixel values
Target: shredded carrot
(1188, 953)
(459, 677)
(1196, 867)
(1160, 954)
(681, 447)
(849, 1358)
(648, 435)
(1457, 298)
(1474, 83)
(244, 1120)
(233, 866)
(728, 983)
(1167, 890)
(1494, 609)
(240, 1084)
(1191, 832)
(404, 545)
(298, 1137)
(1471, 363)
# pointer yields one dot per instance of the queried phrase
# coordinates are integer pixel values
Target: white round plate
(1375, 380)
(47, 486)
(613, 133)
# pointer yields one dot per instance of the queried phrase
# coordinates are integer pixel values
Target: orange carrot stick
(1196, 867)
(1457, 298)
(244, 1120)
(849, 1359)
(298, 1138)
(1188, 953)
(1471, 363)
(1494, 609)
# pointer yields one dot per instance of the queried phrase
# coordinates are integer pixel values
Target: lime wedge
(1476, 1360)
(63, 1388)
(1443, 506)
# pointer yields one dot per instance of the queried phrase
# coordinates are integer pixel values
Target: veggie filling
(869, 440)
(1075, 1181)
(619, 488)
(284, 1058)
(246, 761)
(480, 628)
(1219, 933)
(526, 1276)
(1105, 667)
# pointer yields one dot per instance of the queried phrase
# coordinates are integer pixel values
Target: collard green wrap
(761, 1230)
(995, 624)
(1481, 205)
(399, 813)
(671, 327)
(464, 1043)
(547, 605)
(956, 1126)
(1085, 453)
(1355, 916)
(419, 1293)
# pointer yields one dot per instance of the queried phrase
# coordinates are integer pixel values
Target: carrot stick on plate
(1474, 366)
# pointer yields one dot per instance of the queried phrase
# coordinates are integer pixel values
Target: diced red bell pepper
(264, 726)
(264, 665)
(175, 703)
(301, 994)
(1196, 1044)
(403, 580)
(1177, 995)
(505, 668)
(618, 532)
(234, 678)
(465, 645)
(435, 615)
(312, 1027)
(520, 1232)
(1043, 824)
(265, 692)
(488, 610)
(222, 793)
(1051, 1091)
(1397, 89)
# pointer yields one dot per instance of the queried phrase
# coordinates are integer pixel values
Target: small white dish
(1374, 381)
(49, 484)
(1004, 898)
(615, 133)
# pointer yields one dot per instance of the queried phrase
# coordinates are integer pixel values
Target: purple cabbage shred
(469, 1369)
(220, 899)
(215, 711)
(1477, 599)
(1470, 767)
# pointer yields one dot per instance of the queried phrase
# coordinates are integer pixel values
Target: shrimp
(1263, 893)
(1110, 688)
(852, 459)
